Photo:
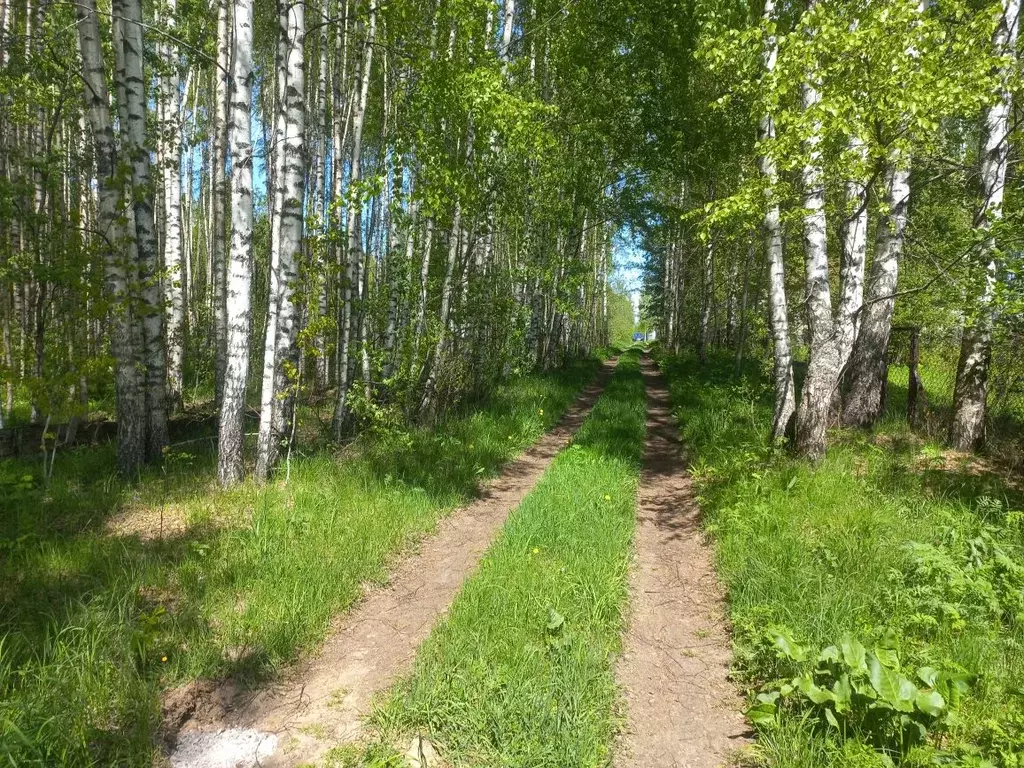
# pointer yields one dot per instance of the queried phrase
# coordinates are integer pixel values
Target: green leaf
(555, 620)
(842, 694)
(787, 645)
(888, 657)
(762, 714)
(814, 692)
(930, 702)
(928, 676)
(853, 654)
(908, 722)
(829, 654)
(831, 719)
(892, 688)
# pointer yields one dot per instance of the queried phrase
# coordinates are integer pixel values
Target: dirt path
(320, 703)
(682, 710)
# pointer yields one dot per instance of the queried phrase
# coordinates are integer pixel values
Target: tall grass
(883, 536)
(93, 625)
(519, 674)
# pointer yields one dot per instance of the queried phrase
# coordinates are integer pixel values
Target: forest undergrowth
(876, 598)
(97, 620)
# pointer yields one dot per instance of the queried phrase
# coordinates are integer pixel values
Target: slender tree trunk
(279, 369)
(855, 231)
(970, 395)
(868, 367)
(131, 400)
(355, 213)
(230, 466)
(219, 194)
(823, 359)
(707, 299)
(741, 339)
(130, 52)
(6, 23)
(731, 319)
(174, 281)
(428, 403)
(782, 375)
(421, 305)
(668, 304)
(321, 209)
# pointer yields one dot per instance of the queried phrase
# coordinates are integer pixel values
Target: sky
(628, 259)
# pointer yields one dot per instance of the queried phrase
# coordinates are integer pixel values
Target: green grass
(883, 536)
(92, 626)
(519, 673)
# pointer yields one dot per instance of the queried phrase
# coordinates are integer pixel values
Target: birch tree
(173, 254)
(131, 396)
(970, 395)
(129, 53)
(782, 377)
(868, 365)
(279, 360)
(823, 356)
(353, 258)
(239, 318)
(219, 193)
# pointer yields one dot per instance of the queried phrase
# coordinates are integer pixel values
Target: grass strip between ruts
(520, 673)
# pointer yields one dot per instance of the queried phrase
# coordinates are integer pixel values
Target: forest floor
(598, 604)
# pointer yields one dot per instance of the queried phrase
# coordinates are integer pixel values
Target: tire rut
(682, 710)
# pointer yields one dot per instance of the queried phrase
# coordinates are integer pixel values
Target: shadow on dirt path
(682, 709)
(320, 704)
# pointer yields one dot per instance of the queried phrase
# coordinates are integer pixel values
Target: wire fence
(922, 376)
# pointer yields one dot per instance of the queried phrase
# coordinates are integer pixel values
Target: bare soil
(682, 709)
(321, 703)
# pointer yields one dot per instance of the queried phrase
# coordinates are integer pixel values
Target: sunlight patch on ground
(229, 748)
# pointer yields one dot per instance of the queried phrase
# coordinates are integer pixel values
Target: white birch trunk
(970, 395)
(174, 280)
(428, 402)
(219, 189)
(855, 238)
(668, 299)
(131, 402)
(782, 373)
(279, 347)
(823, 359)
(868, 368)
(6, 22)
(355, 214)
(707, 299)
(239, 278)
(134, 141)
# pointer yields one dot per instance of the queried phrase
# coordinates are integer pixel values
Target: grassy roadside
(93, 625)
(877, 599)
(519, 674)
